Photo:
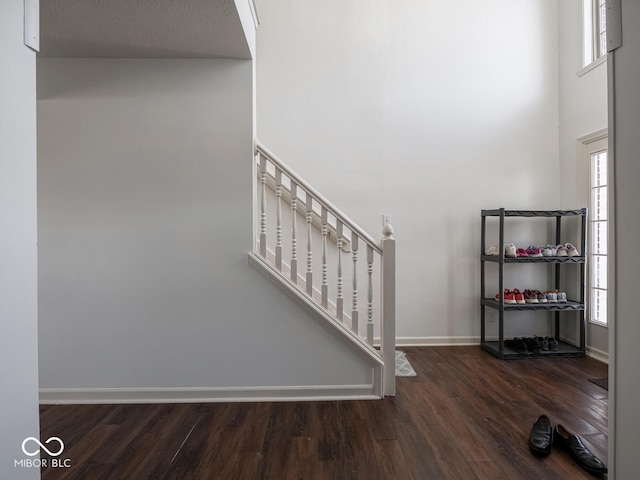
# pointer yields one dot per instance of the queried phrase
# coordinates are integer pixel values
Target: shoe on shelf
(530, 296)
(534, 251)
(573, 444)
(562, 297)
(548, 251)
(561, 251)
(521, 252)
(542, 298)
(541, 436)
(508, 296)
(552, 297)
(553, 344)
(493, 250)
(517, 344)
(533, 345)
(510, 250)
(544, 344)
(571, 250)
(518, 296)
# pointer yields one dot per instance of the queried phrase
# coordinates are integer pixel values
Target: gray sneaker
(553, 344)
(544, 344)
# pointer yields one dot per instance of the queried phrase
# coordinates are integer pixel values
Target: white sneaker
(572, 251)
(510, 250)
(493, 250)
(548, 251)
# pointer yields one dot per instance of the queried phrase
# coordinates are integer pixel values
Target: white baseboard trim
(598, 355)
(62, 396)
(436, 341)
(590, 351)
(475, 341)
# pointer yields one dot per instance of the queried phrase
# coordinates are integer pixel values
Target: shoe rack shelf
(559, 306)
(497, 348)
(495, 258)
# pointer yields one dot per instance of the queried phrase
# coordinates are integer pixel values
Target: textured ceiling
(141, 29)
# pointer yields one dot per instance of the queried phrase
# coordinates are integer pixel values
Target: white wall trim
(592, 65)
(475, 341)
(435, 341)
(60, 396)
(594, 136)
(598, 355)
(254, 12)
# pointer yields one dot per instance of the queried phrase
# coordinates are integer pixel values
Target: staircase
(319, 255)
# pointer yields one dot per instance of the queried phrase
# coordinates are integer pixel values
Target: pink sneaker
(534, 251)
(521, 252)
(530, 296)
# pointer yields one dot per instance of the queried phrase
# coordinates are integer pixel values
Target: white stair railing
(338, 237)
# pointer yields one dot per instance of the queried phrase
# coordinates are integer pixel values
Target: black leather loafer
(541, 436)
(571, 443)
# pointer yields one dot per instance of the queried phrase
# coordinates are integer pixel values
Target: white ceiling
(141, 29)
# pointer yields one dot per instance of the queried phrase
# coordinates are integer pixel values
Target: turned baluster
(339, 300)
(263, 206)
(294, 228)
(325, 232)
(354, 308)
(309, 280)
(370, 295)
(278, 219)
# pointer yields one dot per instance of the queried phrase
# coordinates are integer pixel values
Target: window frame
(594, 28)
(593, 147)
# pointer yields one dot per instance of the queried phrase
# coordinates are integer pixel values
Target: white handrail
(335, 211)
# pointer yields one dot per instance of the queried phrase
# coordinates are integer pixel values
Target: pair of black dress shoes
(543, 436)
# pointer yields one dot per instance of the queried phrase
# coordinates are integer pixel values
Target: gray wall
(145, 218)
(625, 434)
(18, 259)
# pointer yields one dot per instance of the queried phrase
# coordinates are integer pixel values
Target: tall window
(597, 261)
(595, 30)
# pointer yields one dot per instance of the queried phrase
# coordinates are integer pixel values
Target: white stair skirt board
(294, 292)
(403, 367)
(69, 396)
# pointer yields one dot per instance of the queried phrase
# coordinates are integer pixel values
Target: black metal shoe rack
(497, 348)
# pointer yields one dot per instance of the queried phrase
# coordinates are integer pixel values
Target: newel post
(388, 308)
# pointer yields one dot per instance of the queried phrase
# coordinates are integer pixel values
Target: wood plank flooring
(467, 415)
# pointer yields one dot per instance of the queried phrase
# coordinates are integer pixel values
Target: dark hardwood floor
(467, 415)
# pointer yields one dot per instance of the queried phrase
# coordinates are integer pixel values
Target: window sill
(592, 65)
(599, 324)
